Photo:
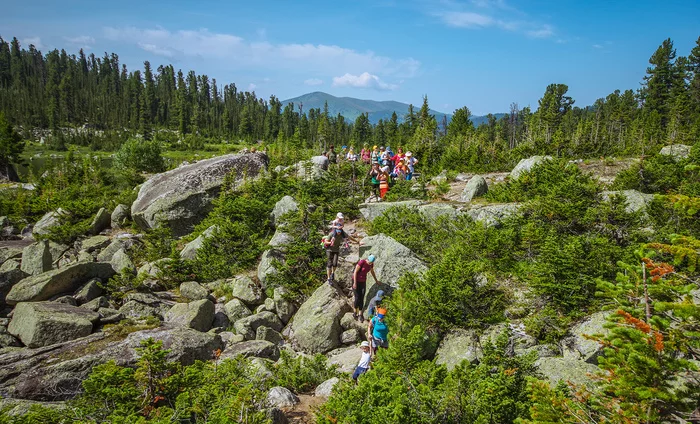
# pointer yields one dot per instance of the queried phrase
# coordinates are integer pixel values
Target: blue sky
(484, 54)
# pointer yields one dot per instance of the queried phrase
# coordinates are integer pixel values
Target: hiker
(359, 284)
(398, 157)
(378, 331)
(343, 153)
(366, 154)
(410, 163)
(383, 157)
(374, 173)
(339, 222)
(375, 155)
(332, 243)
(332, 155)
(383, 182)
(400, 170)
(351, 156)
(375, 303)
(365, 359)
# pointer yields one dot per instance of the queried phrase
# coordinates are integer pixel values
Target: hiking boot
(354, 315)
(332, 277)
(330, 282)
(362, 318)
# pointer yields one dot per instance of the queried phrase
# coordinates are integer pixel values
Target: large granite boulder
(281, 397)
(370, 211)
(101, 221)
(556, 369)
(433, 211)
(95, 243)
(183, 196)
(283, 306)
(493, 215)
(108, 252)
(198, 314)
(280, 240)
(122, 262)
(272, 336)
(284, 206)
(245, 289)
(190, 250)
(577, 346)
(393, 261)
(89, 291)
(316, 326)
(459, 345)
(138, 305)
(48, 221)
(252, 349)
(36, 258)
(266, 267)
(636, 200)
(320, 162)
(526, 165)
(345, 358)
(325, 389)
(248, 326)
(10, 274)
(192, 290)
(120, 216)
(236, 309)
(39, 324)
(65, 280)
(56, 372)
(7, 253)
(476, 187)
(676, 151)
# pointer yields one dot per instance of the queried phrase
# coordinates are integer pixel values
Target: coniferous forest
(167, 254)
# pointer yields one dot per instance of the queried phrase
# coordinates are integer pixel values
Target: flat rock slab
(252, 348)
(370, 211)
(183, 196)
(39, 324)
(65, 280)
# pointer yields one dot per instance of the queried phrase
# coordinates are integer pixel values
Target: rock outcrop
(183, 196)
(636, 200)
(475, 187)
(39, 324)
(393, 261)
(316, 327)
(284, 206)
(64, 280)
(526, 165)
(676, 151)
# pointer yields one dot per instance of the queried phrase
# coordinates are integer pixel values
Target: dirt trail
(304, 411)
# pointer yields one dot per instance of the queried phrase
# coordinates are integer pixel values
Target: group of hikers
(386, 166)
(377, 329)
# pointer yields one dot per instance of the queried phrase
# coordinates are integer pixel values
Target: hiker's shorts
(332, 259)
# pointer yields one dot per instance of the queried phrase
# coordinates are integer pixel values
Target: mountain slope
(351, 108)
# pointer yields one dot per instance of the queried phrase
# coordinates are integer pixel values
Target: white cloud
(252, 87)
(597, 46)
(82, 40)
(152, 48)
(364, 80)
(545, 31)
(36, 41)
(467, 19)
(236, 52)
(313, 81)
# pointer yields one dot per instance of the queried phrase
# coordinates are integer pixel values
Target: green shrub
(301, 374)
(140, 155)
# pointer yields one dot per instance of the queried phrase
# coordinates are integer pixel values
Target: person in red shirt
(359, 284)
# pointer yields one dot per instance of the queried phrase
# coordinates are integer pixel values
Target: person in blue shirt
(378, 331)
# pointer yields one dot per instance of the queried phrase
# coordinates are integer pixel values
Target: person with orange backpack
(378, 331)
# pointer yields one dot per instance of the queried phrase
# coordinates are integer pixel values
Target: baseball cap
(381, 312)
(364, 344)
(380, 295)
(340, 215)
(371, 258)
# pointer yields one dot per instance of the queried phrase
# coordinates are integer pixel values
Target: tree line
(59, 90)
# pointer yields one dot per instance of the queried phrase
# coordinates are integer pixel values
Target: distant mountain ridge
(350, 108)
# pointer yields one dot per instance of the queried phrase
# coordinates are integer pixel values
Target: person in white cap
(359, 284)
(339, 221)
(411, 163)
(365, 360)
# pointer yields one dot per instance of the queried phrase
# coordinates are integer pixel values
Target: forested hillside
(59, 90)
